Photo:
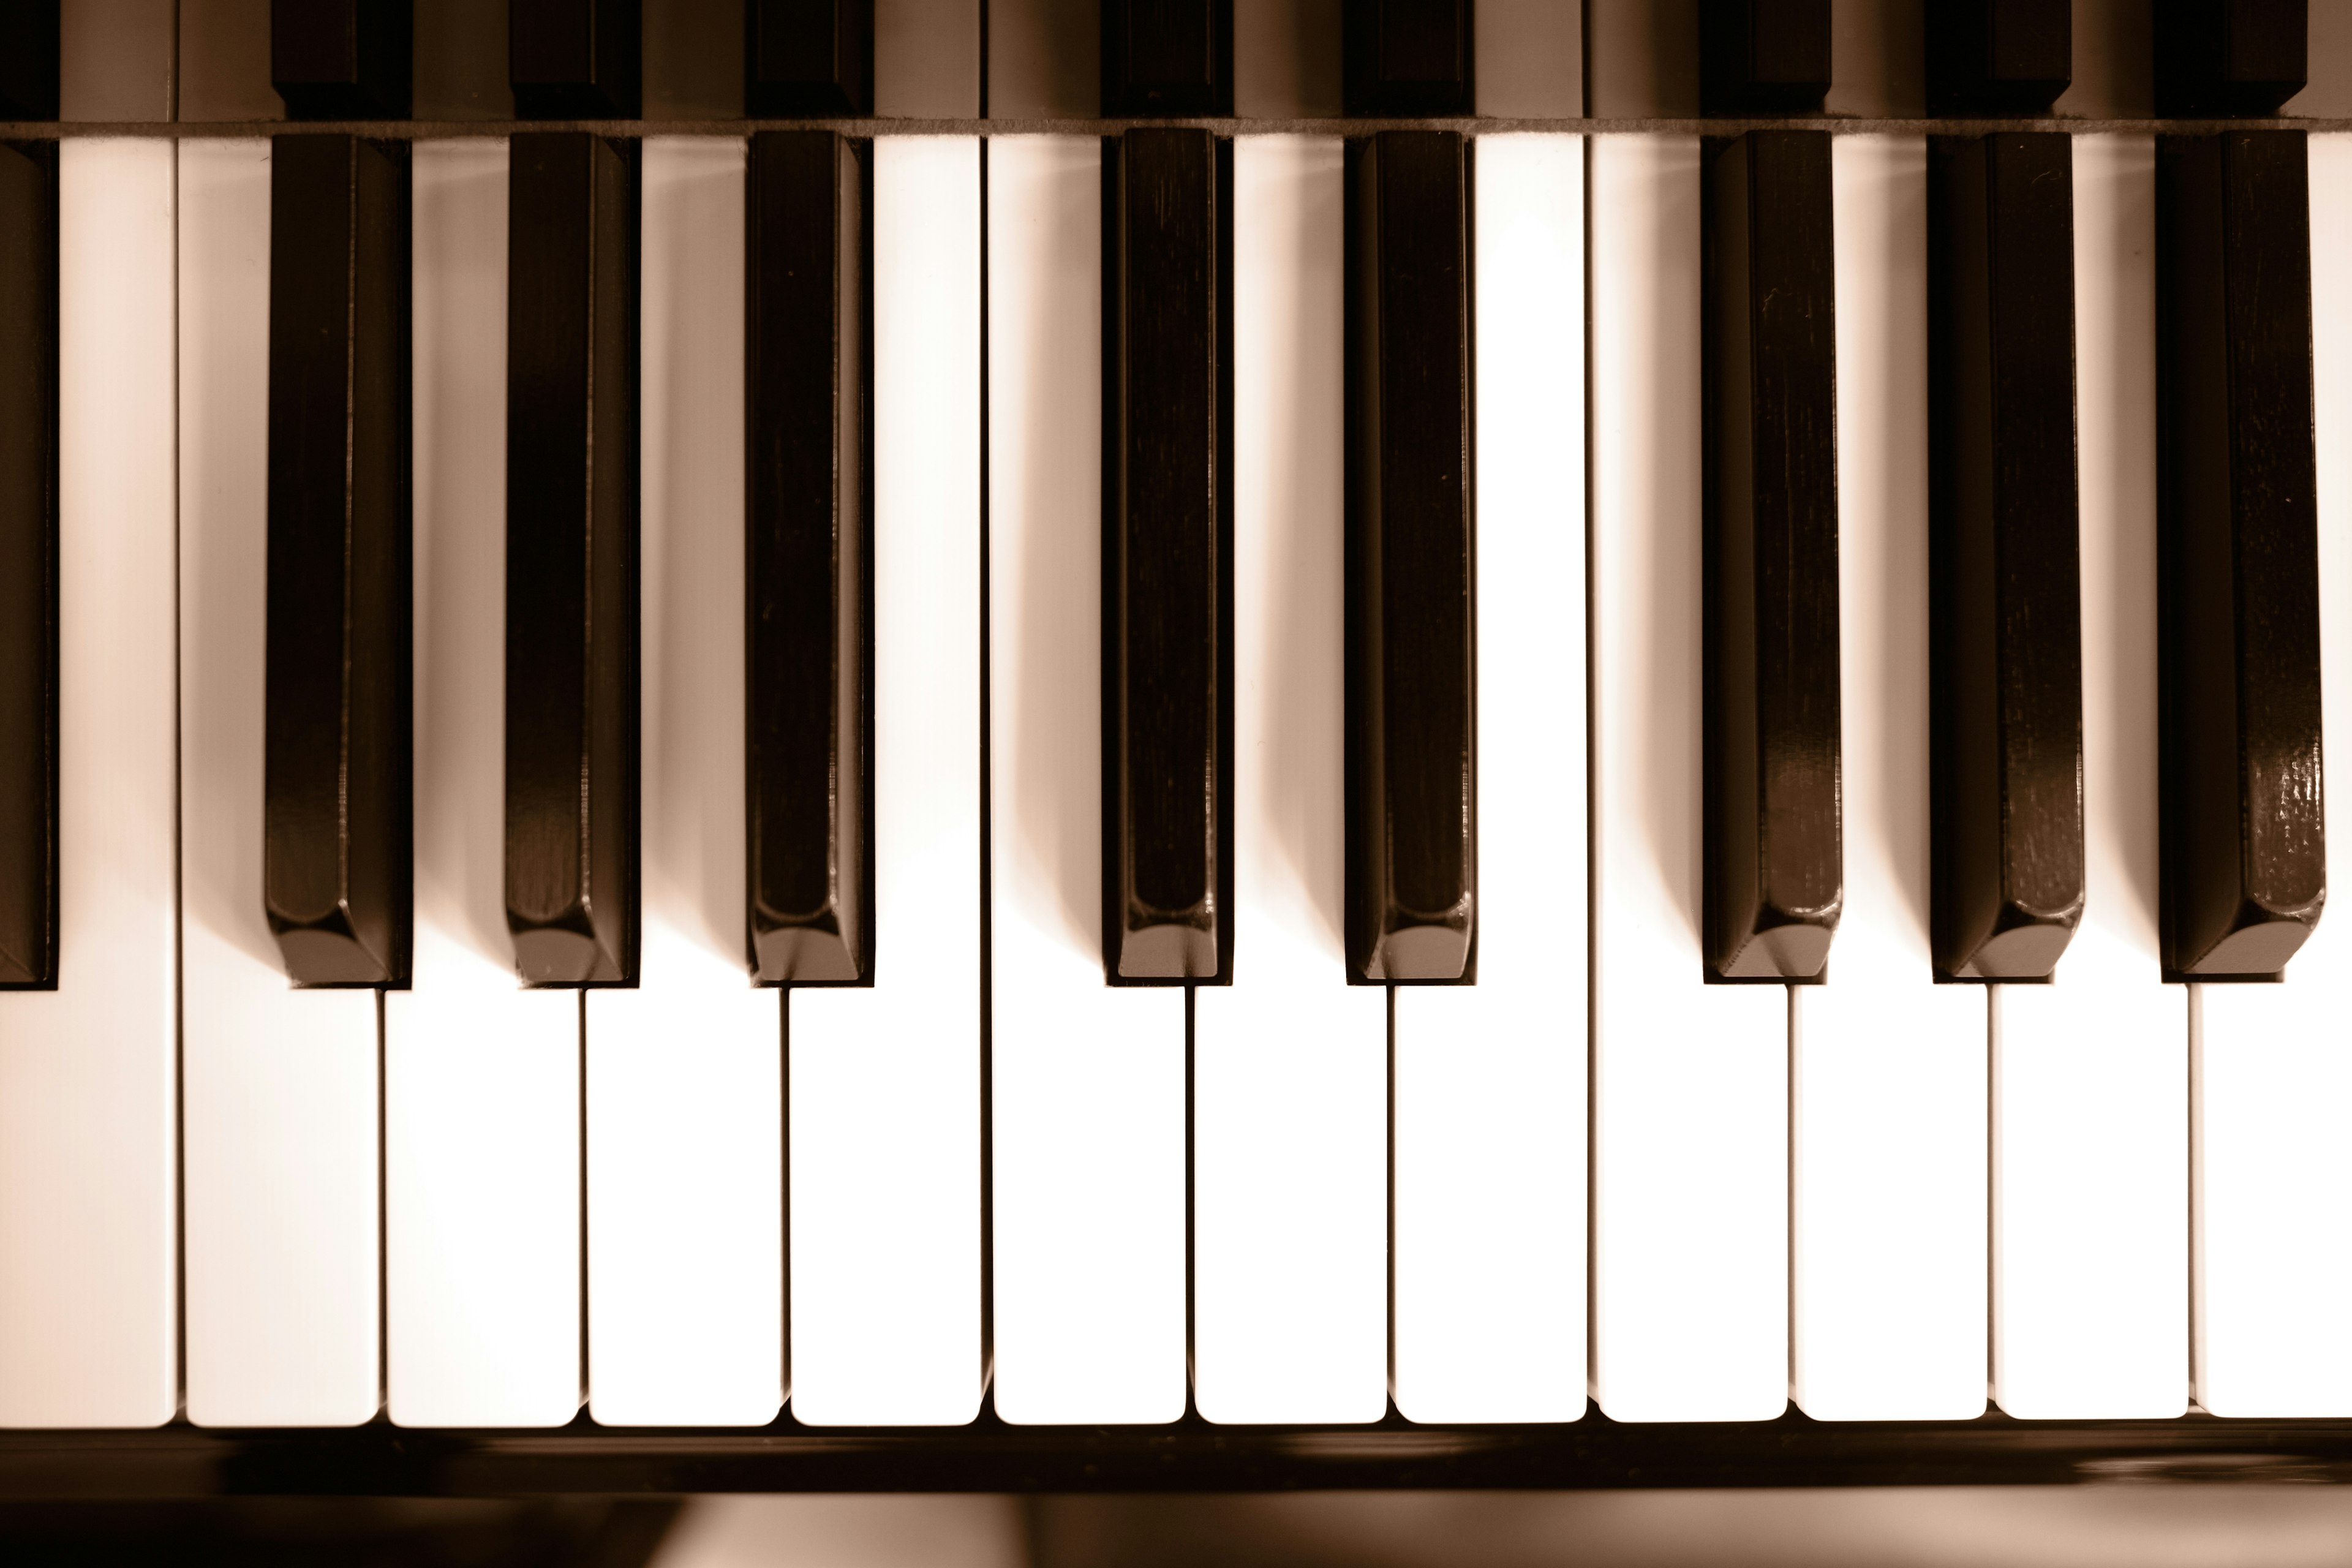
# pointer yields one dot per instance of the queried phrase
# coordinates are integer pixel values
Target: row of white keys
(89, 1155)
(2274, 1076)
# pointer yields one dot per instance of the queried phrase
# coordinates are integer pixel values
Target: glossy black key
(571, 559)
(341, 59)
(1775, 862)
(28, 563)
(335, 819)
(1763, 56)
(1406, 57)
(1166, 553)
(1412, 853)
(1997, 56)
(574, 59)
(2224, 57)
(28, 59)
(807, 699)
(2245, 871)
(2006, 582)
(1168, 57)
(808, 57)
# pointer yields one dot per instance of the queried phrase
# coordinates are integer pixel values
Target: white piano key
(684, 1072)
(1886, 1067)
(2273, 1073)
(2090, 1082)
(885, 1080)
(89, 1155)
(1087, 1101)
(481, 1076)
(1689, 1079)
(1290, 1068)
(1489, 1113)
(280, 1095)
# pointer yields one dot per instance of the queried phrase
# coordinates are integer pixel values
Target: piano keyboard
(1220, 719)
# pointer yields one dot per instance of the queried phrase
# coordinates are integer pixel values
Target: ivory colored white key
(278, 1101)
(885, 1080)
(481, 1076)
(1886, 1067)
(88, 1124)
(1289, 1062)
(1689, 1080)
(1489, 1082)
(2273, 1063)
(2090, 1081)
(1088, 1093)
(686, 1111)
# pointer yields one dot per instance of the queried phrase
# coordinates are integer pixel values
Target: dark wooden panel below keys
(1763, 56)
(808, 57)
(28, 563)
(806, 697)
(1775, 862)
(1406, 57)
(1997, 56)
(1413, 859)
(574, 60)
(2006, 585)
(336, 833)
(571, 559)
(341, 59)
(2245, 871)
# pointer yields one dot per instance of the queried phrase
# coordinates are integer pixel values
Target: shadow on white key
(686, 1114)
(481, 1076)
(88, 1163)
(1490, 1079)
(2090, 1091)
(1689, 1080)
(1087, 1096)
(1886, 1067)
(2273, 1063)
(885, 1080)
(279, 1096)
(1290, 1068)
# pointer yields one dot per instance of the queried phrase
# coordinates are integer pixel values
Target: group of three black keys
(2243, 874)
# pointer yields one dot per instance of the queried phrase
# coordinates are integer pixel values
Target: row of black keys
(349, 59)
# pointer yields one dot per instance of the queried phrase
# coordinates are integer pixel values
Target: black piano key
(2245, 870)
(2220, 57)
(1775, 863)
(341, 59)
(1406, 57)
(28, 59)
(335, 816)
(1412, 873)
(1997, 56)
(1167, 56)
(1763, 56)
(28, 563)
(808, 57)
(574, 60)
(806, 491)
(1165, 729)
(2007, 889)
(571, 559)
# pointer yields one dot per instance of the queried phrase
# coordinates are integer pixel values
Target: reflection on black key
(808, 57)
(336, 761)
(806, 492)
(571, 559)
(1775, 866)
(1997, 56)
(1168, 57)
(1166, 568)
(1411, 832)
(2244, 864)
(574, 59)
(28, 59)
(1405, 57)
(29, 562)
(1763, 56)
(2217, 58)
(2008, 776)
(341, 59)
